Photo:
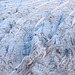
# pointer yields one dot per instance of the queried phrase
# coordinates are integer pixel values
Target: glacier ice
(37, 37)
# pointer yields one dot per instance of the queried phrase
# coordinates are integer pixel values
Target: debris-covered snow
(37, 37)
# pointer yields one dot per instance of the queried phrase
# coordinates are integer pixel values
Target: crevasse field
(37, 37)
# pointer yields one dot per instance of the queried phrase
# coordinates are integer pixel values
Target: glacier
(37, 37)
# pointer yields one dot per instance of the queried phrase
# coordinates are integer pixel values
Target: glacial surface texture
(37, 37)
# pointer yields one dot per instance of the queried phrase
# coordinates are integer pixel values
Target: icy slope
(37, 37)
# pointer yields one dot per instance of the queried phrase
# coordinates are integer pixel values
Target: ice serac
(37, 37)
